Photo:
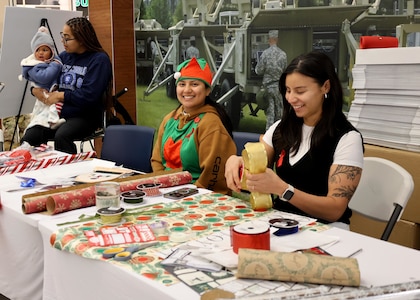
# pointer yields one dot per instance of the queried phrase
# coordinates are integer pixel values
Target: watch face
(288, 195)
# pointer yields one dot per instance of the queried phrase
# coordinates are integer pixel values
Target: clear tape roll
(159, 227)
(181, 234)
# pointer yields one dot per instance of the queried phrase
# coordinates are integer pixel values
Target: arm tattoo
(348, 171)
(344, 192)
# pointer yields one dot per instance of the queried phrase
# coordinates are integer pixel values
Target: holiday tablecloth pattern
(197, 215)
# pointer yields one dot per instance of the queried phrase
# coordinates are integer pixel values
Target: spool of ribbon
(255, 162)
(134, 196)
(252, 235)
(284, 226)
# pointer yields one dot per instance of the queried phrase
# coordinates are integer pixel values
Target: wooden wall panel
(114, 24)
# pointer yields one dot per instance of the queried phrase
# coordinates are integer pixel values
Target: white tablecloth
(21, 248)
(31, 269)
(380, 262)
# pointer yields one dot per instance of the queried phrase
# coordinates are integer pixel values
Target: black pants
(73, 129)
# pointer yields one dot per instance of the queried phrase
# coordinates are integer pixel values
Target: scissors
(124, 253)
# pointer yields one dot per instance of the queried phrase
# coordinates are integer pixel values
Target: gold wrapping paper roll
(298, 267)
(255, 162)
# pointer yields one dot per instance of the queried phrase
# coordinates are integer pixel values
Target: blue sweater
(84, 79)
(43, 74)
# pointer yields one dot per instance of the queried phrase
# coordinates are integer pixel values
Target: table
(21, 247)
(31, 269)
(380, 262)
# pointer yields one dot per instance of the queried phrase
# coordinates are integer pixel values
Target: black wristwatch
(288, 193)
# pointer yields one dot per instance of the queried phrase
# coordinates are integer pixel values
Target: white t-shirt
(349, 151)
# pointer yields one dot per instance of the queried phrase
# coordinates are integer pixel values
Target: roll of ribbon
(255, 162)
(284, 226)
(134, 196)
(251, 235)
(151, 189)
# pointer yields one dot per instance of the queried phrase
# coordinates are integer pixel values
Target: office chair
(241, 138)
(129, 145)
(383, 192)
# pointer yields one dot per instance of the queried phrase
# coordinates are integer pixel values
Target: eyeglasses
(65, 39)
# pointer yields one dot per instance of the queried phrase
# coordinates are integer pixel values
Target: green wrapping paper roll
(298, 267)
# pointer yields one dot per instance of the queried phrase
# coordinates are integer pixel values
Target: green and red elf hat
(194, 69)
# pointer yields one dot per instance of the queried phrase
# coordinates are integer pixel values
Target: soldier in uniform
(271, 65)
(192, 50)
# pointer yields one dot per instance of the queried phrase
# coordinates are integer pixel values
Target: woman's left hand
(267, 182)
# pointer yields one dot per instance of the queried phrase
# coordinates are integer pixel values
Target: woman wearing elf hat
(197, 136)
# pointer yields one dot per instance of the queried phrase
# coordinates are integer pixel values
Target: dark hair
(224, 117)
(84, 32)
(317, 65)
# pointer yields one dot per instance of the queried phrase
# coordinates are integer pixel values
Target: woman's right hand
(232, 169)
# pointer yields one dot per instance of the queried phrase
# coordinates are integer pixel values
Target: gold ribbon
(255, 162)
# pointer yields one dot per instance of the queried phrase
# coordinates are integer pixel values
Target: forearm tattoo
(350, 173)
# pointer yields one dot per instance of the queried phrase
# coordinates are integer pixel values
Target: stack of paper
(386, 106)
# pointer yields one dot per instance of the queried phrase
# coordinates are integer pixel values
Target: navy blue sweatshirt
(84, 79)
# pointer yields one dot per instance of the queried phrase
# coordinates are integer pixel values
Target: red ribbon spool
(251, 235)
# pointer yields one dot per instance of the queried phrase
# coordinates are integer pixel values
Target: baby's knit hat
(194, 69)
(42, 38)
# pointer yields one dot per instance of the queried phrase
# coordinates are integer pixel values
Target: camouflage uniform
(8, 125)
(272, 63)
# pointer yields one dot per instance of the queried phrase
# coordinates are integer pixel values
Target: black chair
(129, 145)
(109, 120)
(241, 138)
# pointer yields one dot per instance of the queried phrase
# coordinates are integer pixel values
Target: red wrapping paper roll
(70, 200)
(167, 180)
(251, 235)
(367, 42)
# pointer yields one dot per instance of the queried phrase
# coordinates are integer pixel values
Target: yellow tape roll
(255, 162)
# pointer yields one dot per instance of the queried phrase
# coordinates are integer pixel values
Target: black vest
(310, 174)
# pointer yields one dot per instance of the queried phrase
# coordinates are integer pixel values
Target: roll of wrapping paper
(298, 267)
(70, 200)
(61, 199)
(255, 162)
(47, 162)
